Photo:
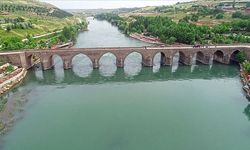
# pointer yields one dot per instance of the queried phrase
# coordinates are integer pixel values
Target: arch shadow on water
(107, 64)
(35, 61)
(247, 111)
(133, 64)
(38, 71)
(82, 65)
(158, 61)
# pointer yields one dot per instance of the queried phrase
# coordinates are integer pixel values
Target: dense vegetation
(246, 65)
(183, 32)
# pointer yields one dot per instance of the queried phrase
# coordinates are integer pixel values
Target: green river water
(199, 107)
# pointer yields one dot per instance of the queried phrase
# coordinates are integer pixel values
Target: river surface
(198, 107)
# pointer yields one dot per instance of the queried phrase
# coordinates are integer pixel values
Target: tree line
(182, 32)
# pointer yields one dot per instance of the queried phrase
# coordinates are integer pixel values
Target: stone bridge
(222, 54)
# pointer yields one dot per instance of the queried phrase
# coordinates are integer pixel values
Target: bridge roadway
(222, 54)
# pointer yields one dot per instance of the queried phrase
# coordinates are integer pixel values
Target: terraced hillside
(34, 7)
(26, 20)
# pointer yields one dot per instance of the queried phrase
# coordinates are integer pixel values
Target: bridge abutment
(46, 63)
(95, 64)
(119, 62)
(24, 61)
(67, 64)
(147, 62)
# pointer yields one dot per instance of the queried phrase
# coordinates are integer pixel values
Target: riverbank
(147, 39)
(245, 81)
(11, 80)
(7, 83)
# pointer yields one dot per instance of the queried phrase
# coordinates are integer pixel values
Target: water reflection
(58, 68)
(175, 62)
(38, 71)
(211, 61)
(247, 111)
(107, 65)
(193, 62)
(157, 62)
(133, 64)
(145, 74)
(82, 65)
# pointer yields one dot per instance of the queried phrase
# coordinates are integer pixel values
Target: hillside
(25, 19)
(207, 11)
(205, 22)
(32, 6)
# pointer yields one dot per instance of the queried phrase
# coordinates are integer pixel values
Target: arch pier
(221, 54)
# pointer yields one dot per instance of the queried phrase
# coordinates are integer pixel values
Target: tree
(241, 56)
(194, 18)
(234, 2)
(219, 16)
(171, 40)
(237, 14)
(8, 28)
(246, 66)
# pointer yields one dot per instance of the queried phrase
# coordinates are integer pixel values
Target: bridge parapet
(221, 54)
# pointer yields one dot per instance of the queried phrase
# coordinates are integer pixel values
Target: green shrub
(219, 16)
(246, 66)
(241, 56)
(9, 69)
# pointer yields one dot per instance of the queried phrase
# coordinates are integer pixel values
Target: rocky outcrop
(8, 82)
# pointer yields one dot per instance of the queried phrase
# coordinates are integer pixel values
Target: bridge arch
(134, 53)
(159, 58)
(182, 57)
(233, 55)
(105, 55)
(133, 63)
(200, 57)
(219, 56)
(80, 58)
(56, 61)
(107, 64)
(33, 59)
(82, 65)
